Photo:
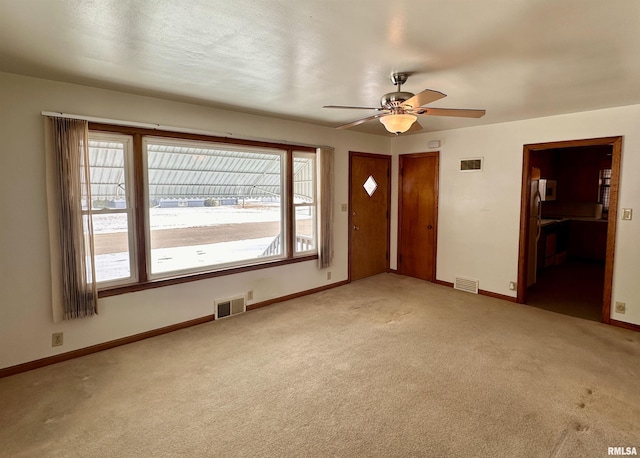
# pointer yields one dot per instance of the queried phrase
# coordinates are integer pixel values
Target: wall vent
(473, 164)
(466, 284)
(227, 307)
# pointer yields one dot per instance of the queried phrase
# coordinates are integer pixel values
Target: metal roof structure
(198, 171)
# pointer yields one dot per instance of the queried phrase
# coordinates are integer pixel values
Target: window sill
(115, 291)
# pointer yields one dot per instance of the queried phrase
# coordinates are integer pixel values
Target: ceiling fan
(398, 110)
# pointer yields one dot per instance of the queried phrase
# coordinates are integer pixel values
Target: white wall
(25, 308)
(479, 213)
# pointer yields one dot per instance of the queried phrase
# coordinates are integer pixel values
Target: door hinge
(387, 214)
(400, 258)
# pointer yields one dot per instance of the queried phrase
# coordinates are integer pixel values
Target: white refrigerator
(541, 190)
(534, 230)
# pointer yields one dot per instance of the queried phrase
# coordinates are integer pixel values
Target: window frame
(127, 142)
(313, 203)
(281, 153)
(141, 247)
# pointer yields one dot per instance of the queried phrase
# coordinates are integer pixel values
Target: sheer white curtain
(73, 280)
(325, 182)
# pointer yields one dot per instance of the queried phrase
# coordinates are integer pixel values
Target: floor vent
(466, 284)
(228, 307)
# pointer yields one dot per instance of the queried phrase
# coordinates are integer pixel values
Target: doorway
(571, 246)
(418, 215)
(369, 203)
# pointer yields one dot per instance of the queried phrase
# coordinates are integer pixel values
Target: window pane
(108, 175)
(212, 205)
(111, 243)
(304, 184)
(305, 228)
(605, 191)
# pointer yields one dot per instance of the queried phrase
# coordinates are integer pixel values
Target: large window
(166, 207)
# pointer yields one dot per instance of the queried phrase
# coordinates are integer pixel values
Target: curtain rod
(117, 122)
(146, 125)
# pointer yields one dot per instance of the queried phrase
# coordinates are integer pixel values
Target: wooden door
(418, 214)
(369, 201)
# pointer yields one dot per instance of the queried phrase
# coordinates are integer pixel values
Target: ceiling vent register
(471, 165)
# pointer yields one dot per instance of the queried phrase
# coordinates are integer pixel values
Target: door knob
(356, 228)
(429, 227)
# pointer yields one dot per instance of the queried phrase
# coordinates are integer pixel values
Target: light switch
(626, 214)
(344, 207)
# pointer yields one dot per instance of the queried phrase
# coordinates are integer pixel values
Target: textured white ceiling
(515, 58)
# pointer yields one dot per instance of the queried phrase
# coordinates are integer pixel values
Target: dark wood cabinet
(553, 244)
(588, 240)
(582, 239)
(550, 246)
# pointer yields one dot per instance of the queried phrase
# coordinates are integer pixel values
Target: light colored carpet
(387, 366)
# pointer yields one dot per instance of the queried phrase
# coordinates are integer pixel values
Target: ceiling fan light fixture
(398, 123)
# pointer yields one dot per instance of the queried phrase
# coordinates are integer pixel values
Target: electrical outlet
(512, 285)
(329, 275)
(57, 339)
(621, 307)
(250, 295)
(344, 207)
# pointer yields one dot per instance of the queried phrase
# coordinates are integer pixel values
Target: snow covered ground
(181, 217)
(115, 266)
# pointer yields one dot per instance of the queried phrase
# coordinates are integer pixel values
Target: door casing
(616, 144)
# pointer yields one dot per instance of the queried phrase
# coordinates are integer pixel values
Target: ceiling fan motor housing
(394, 99)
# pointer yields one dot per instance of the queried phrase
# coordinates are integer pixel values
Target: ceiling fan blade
(351, 108)
(424, 97)
(462, 113)
(415, 127)
(359, 121)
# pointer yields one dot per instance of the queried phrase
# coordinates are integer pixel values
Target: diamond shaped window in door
(370, 185)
